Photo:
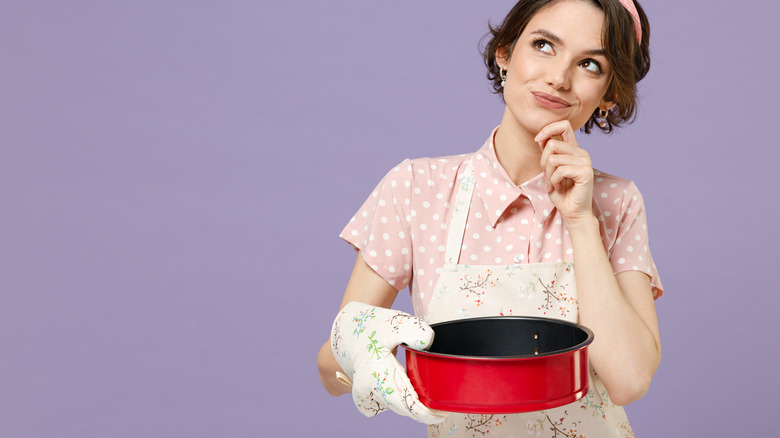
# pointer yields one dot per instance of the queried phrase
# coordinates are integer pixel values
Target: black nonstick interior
(507, 336)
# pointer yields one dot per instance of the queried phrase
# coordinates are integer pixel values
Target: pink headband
(629, 5)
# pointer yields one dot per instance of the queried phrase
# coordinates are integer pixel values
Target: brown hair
(629, 60)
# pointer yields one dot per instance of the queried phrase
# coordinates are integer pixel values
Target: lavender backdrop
(174, 175)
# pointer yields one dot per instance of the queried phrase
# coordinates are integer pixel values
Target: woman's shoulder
(438, 163)
(430, 170)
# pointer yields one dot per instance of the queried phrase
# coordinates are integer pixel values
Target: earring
(603, 114)
(502, 73)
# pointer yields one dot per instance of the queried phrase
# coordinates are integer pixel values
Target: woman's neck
(516, 150)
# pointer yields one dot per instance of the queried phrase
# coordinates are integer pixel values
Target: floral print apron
(531, 289)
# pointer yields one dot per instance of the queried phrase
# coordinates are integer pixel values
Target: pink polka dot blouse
(401, 229)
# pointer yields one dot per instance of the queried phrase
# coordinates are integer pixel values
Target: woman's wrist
(582, 225)
(327, 370)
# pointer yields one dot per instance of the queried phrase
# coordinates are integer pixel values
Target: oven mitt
(363, 338)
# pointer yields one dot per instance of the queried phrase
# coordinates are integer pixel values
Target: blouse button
(518, 258)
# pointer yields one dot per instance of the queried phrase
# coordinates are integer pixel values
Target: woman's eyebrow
(595, 52)
(555, 39)
(549, 35)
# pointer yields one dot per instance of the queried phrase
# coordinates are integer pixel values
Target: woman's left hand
(567, 170)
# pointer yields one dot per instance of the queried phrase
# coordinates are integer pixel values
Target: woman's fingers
(567, 169)
(557, 147)
(580, 164)
(557, 153)
(562, 128)
(577, 174)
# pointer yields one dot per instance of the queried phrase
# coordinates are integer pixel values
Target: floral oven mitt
(363, 338)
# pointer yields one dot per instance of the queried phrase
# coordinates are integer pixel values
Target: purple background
(174, 175)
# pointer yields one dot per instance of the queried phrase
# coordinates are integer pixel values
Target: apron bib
(531, 289)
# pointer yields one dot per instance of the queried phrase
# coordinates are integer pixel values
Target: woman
(512, 227)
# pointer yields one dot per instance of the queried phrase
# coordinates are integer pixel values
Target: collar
(497, 191)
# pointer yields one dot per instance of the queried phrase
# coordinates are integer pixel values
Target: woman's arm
(620, 310)
(365, 286)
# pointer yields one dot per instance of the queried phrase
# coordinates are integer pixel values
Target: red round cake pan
(500, 365)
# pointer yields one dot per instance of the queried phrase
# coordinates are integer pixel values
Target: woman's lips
(550, 101)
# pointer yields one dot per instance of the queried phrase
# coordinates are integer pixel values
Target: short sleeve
(380, 228)
(631, 250)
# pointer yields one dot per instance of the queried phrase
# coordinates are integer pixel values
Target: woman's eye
(543, 46)
(592, 66)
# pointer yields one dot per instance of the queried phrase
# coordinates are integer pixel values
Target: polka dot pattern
(401, 229)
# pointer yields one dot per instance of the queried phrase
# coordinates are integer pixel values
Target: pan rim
(548, 354)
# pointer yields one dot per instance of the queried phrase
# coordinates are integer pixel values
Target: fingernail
(538, 136)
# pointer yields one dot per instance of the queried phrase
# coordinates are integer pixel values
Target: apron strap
(460, 212)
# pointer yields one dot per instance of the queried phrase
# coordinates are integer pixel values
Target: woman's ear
(502, 57)
(607, 105)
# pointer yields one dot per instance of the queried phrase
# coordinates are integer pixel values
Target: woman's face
(557, 69)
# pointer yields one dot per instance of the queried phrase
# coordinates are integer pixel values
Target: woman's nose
(559, 75)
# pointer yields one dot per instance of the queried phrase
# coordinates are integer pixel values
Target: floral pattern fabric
(362, 339)
(544, 290)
